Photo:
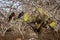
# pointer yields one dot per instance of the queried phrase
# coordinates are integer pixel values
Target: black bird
(20, 14)
(12, 15)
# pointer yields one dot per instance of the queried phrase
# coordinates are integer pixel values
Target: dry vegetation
(23, 31)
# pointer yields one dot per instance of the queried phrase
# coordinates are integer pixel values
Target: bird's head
(13, 14)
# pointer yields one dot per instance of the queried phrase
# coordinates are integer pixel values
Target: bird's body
(20, 14)
(12, 15)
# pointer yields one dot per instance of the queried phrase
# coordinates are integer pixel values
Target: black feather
(21, 14)
(10, 17)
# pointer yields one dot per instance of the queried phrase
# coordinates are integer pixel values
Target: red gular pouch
(14, 15)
